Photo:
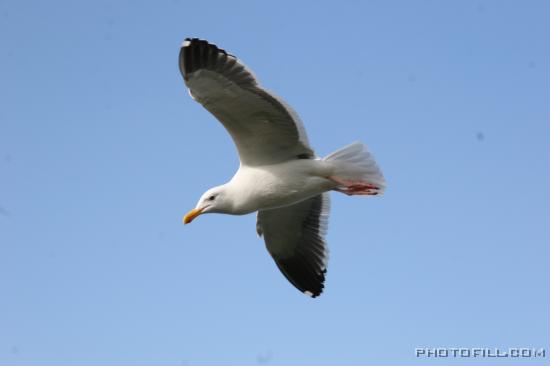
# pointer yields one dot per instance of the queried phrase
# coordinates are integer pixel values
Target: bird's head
(213, 200)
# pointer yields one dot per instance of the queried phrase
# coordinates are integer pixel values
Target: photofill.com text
(481, 352)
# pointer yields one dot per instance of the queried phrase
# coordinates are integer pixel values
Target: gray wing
(294, 236)
(264, 128)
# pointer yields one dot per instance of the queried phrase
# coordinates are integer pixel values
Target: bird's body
(279, 175)
(266, 187)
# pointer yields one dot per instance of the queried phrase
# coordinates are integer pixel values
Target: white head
(214, 200)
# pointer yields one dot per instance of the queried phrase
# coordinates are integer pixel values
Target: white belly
(279, 185)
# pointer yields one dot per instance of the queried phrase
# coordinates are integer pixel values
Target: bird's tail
(355, 171)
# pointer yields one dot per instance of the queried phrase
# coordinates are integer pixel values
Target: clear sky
(102, 152)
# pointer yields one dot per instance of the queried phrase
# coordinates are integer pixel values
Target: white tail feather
(354, 162)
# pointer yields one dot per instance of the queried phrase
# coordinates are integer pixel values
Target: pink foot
(351, 188)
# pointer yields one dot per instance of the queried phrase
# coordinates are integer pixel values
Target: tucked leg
(351, 188)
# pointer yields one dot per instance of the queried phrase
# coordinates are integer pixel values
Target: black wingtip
(196, 54)
(305, 278)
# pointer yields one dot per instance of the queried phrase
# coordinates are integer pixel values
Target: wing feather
(264, 128)
(294, 236)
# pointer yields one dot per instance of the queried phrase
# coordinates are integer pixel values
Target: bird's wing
(265, 129)
(294, 236)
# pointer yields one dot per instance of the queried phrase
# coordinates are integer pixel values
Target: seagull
(280, 177)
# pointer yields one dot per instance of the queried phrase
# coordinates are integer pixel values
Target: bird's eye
(211, 198)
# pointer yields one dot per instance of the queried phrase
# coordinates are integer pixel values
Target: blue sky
(102, 152)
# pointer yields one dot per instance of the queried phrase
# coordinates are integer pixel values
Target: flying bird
(279, 176)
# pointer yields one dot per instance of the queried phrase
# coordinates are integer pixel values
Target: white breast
(271, 186)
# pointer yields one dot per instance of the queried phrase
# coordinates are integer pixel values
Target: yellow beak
(191, 215)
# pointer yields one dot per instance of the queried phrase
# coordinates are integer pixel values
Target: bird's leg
(352, 188)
